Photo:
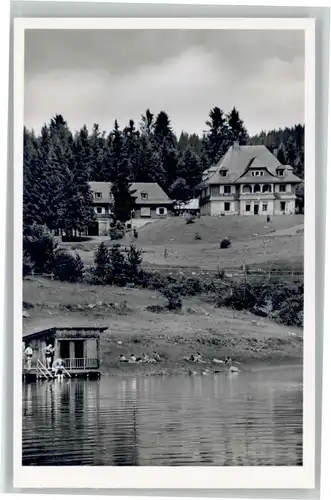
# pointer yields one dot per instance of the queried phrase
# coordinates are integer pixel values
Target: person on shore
(28, 356)
(132, 359)
(157, 357)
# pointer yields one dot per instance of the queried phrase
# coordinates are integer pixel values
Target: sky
(97, 76)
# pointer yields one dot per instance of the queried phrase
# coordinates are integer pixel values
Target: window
(144, 196)
(223, 173)
(266, 188)
(161, 211)
(98, 195)
(226, 206)
(265, 207)
(282, 188)
(248, 208)
(145, 212)
(280, 172)
(99, 210)
(257, 173)
(247, 188)
(257, 188)
(227, 189)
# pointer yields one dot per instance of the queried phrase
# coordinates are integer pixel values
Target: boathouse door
(79, 349)
(64, 349)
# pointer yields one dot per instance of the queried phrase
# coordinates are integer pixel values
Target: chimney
(236, 145)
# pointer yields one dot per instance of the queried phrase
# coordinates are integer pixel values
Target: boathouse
(78, 347)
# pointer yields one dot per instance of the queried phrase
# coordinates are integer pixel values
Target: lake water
(252, 418)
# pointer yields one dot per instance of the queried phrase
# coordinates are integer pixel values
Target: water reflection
(255, 419)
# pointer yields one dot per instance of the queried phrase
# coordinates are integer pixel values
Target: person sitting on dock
(123, 359)
(28, 355)
(132, 359)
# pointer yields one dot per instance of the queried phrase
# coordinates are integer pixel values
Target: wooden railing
(81, 363)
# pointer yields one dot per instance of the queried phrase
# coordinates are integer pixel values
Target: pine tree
(216, 141)
(101, 261)
(236, 129)
(99, 150)
(179, 190)
(120, 175)
(166, 144)
(190, 168)
(61, 165)
(132, 145)
(31, 197)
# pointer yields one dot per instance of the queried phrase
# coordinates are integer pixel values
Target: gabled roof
(104, 189)
(238, 159)
(155, 193)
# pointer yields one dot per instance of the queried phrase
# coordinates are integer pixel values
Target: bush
(39, 250)
(172, 294)
(220, 274)
(27, 264)
(225, 243)
(101, 264)
(117, 231)
(155, 308)
(68, 267)
(133, 262)
(117, 266)
(190, 219)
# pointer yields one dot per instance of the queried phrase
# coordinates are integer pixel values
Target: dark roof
(104, 189)
(238, 159)
(155, 193)
(51, 331)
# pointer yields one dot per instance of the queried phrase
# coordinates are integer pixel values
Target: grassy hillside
(212, 229)
(254, 242)
(200, 327)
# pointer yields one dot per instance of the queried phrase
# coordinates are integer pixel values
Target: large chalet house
(151, 202)
(248, 180)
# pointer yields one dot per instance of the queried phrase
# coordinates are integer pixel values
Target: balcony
(81, 363)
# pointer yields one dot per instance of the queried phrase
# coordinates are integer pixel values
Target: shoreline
(196, 369)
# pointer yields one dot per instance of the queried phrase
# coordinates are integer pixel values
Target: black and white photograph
(164, 208)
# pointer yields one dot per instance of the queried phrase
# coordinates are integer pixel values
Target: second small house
(151, 202)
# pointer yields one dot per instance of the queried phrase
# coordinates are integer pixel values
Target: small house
(151, 202)
(78, 347)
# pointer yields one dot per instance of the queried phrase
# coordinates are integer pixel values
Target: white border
(172, 477)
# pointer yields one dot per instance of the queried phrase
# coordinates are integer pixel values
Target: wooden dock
(33, 375)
